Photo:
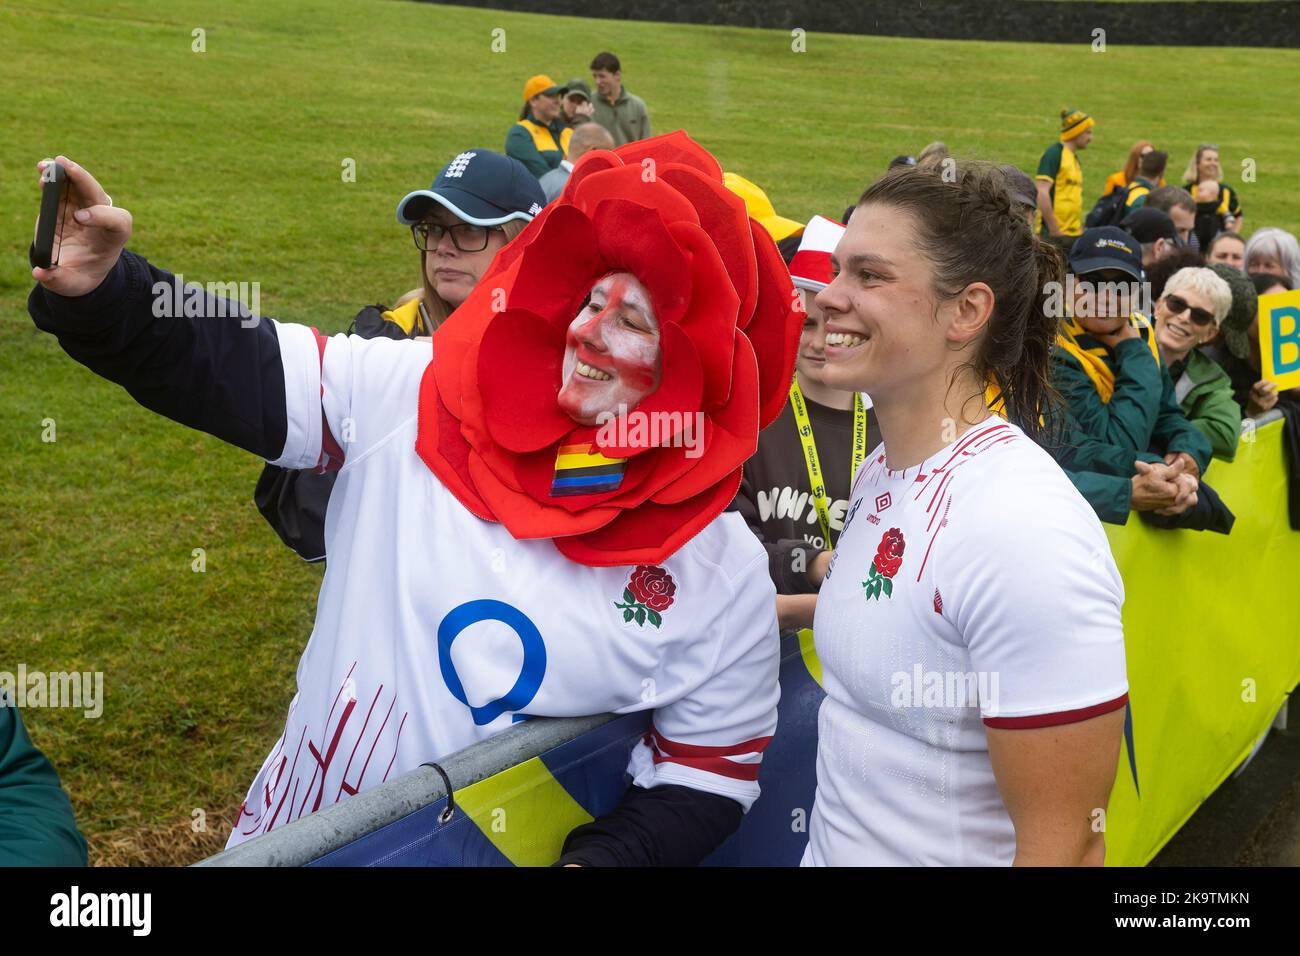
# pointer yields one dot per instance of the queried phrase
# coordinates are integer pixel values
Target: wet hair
(973, 229)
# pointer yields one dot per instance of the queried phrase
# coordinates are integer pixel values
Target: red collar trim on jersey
(489, 424)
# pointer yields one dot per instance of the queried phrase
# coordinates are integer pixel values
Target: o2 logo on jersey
(530, 675)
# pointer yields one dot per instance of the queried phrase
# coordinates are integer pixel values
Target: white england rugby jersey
(976, 588)
(436, 629)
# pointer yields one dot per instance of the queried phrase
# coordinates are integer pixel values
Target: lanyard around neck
(803, 426)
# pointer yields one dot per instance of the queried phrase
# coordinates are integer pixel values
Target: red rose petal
(731, 435)
(456, 342)
(711, 316)
(674, 147)
(774, 330)
(510, 253)
(536, 471)
(519, 369)
(651, 533)
(632, 238)
(526, 518)
(556, 274)
(592, 161)
(626, 183)
(723, 216)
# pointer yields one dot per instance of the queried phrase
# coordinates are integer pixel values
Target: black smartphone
(44, 252)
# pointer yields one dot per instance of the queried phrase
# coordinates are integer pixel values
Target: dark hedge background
(1273, 24)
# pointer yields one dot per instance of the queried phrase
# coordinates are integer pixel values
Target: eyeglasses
(465, 236)
(1177, 305)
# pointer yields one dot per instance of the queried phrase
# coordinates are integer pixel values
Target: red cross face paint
(611, 355)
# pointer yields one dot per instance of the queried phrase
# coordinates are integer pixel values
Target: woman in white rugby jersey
(969, 628)
(496, 553)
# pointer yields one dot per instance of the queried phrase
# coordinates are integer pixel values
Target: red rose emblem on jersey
(889, 558)
(490, 425)
(889, 555)
(649, 591)
(653, 587)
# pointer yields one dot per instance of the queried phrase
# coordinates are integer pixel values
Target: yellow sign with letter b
(1279, 338)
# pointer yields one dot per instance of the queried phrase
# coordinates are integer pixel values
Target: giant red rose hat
(490, 426)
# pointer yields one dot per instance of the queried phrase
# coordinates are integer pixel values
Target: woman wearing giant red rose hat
(969, 627)
(507, 539)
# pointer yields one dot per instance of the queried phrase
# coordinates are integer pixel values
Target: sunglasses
(465, 236)
(1177, 305)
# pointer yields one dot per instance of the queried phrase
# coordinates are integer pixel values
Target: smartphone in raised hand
(44, 253)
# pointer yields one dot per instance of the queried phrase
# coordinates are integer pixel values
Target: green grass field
(230, 161)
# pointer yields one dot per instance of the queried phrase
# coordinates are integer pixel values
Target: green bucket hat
(1245, 305)
(576, 85)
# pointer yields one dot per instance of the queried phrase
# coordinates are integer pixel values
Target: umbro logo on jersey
(883, 501)
(456, 168)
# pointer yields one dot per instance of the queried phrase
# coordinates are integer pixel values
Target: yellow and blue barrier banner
(1212, 633)
(1212, 636)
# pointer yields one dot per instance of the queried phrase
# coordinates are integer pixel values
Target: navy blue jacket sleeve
(667, 825)
(218, 372)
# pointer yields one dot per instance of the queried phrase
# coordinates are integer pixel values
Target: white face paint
(611, 356)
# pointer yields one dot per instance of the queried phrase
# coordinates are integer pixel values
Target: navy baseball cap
(478, 186)
(1106, 247)
(1147, 225)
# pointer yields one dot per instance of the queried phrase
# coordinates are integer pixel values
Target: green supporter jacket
(1142, 421)
(36, 823)
(538, 147)
(1204, 392)
(1103, 473)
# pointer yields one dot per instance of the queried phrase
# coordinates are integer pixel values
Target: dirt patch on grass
(173, 844)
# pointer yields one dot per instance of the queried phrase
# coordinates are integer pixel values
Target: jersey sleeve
(1050, 163)
(713, 738)
(1038, 604)
(344, 393)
